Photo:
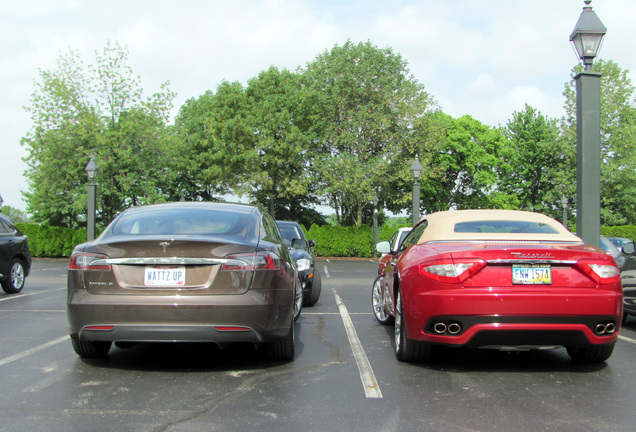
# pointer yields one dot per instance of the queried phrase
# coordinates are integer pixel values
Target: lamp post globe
(587, 36)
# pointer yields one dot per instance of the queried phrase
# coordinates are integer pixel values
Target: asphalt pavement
(344, 377)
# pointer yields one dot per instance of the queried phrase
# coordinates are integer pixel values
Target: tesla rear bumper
(251, 317)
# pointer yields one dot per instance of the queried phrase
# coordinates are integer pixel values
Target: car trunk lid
(168, 266)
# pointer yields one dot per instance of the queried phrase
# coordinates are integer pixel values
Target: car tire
(91, 349)
(407, 350)
(377, 302)
(591, 354)
(314, 292)
(282, 349)
(16, 277)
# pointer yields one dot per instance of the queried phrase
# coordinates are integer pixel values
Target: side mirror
(299, 244)
(383, 247)
(311, 243)
(629, 248)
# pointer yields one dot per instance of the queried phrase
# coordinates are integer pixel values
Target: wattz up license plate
(164, 276)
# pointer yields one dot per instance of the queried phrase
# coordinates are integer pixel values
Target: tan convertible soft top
(444, 226)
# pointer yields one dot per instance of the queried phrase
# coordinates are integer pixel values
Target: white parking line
(326, 271)
(625, 338)
(23, 354)
(17, 296)
(370, 384)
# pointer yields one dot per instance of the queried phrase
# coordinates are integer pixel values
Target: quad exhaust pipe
(442, 328)
(605, 329)
(454, 328)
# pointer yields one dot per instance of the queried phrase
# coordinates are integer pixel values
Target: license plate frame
(164, 276)
(531, 274)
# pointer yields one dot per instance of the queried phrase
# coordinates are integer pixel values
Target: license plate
(164, 276)
(531, 274)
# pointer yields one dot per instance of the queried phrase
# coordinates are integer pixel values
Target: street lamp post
(91, 170)
(586, 38)
(564, 203)
(375, 225)
(416, 169)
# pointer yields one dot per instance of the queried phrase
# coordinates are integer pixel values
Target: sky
(484, 58)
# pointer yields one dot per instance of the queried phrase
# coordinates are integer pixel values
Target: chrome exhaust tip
(610, 328)
(439, 328)
(454, 328)
(600, 329)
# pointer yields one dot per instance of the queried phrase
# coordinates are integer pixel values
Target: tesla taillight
(88, 261)
(253, 261)
(600, 271)
(451, 271)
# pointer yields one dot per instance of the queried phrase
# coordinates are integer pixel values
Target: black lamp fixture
(587, 36)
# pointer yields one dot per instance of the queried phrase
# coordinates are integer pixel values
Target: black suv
(302, 251)
(15, 257)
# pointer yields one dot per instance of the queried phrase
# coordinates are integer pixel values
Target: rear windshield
(505, 226)
(179, 221)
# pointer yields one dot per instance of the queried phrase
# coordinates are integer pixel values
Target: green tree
(78, 112)
(360, 104)
(618, 134)
(214, 139)
(463, 164)
(277, 168)
(541, 162)
(16, 215)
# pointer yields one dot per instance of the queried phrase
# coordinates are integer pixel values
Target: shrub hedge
(626, 231)
(48, 241)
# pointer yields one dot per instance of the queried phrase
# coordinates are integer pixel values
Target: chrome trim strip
(531, 261)
(167, 261)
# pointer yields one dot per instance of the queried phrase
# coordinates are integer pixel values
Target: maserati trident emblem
(164, 245)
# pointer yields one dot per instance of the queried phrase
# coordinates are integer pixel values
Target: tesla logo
(164, 245)
(533, 255)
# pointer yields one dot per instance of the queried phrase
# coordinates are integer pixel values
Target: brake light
(253, 261)
(88, 261)
(601, 272)
(451, 271)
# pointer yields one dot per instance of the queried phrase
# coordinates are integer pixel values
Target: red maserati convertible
(501, 279)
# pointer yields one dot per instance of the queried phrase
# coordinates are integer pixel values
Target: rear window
(179, 222)
(505, 226)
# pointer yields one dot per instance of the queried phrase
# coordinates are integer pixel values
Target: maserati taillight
(600, 271)
(88, 261)
(451, 270)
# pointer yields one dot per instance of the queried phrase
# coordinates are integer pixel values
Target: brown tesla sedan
(184, 272)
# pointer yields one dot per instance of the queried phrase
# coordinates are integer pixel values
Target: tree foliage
(541, 162)
(363, 105)
(339, 132)
(98, 111)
